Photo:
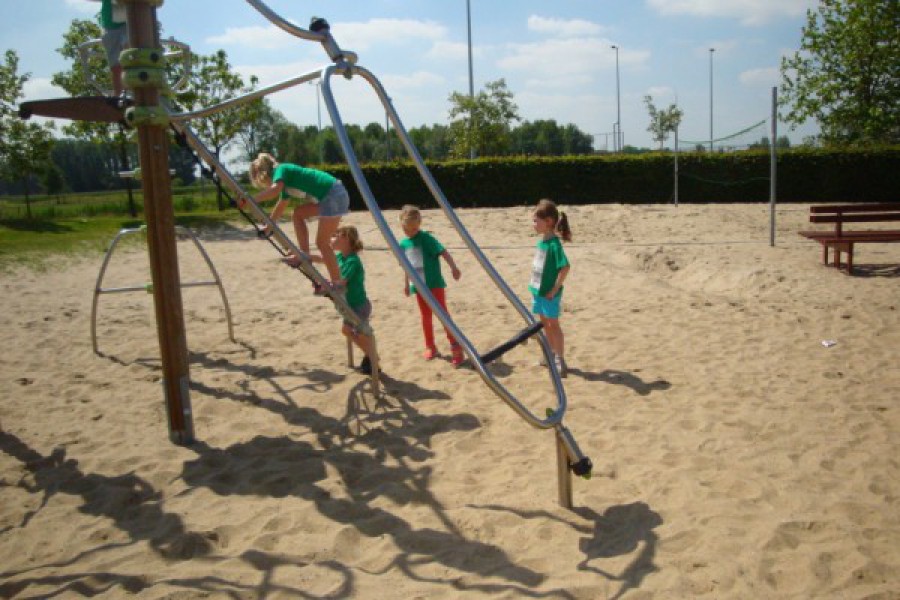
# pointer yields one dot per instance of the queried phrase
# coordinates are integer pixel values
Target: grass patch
(34, 242)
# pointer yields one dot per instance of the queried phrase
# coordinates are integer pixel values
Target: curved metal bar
(553, 419)
(335, 53)
(86, 51)
(277, 87)
(215, 274)
(283, 23)
(98, 289)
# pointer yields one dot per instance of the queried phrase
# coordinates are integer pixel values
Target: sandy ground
(736, 455)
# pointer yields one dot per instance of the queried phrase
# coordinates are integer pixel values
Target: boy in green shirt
(423, 250)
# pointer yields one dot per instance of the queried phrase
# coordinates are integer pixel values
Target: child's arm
(270, 193)
(454, 270)
(560, 278)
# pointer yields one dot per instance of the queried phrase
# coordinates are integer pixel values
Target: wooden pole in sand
(144, 73)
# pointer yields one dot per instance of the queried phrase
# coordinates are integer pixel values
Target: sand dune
(736, 456)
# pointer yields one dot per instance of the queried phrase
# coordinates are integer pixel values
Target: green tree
(261, 134)
(482, 123)
(212, 81)
(432, 142)
(846, 75)
(662, 121)
(24, 146)
(54, 181)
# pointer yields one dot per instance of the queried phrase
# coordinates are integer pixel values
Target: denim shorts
(336, 202)
(547, 308)
(364, 311)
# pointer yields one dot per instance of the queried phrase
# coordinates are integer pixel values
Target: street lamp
(617, 141)
(711, 50)
(471, 82)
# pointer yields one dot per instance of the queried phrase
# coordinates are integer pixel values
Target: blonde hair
(410, 213)
(547, 209)
(262, 169)
(352, 235)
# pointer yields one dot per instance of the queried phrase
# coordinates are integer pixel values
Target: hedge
(802, 175)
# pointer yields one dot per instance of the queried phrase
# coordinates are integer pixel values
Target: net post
(773, 161)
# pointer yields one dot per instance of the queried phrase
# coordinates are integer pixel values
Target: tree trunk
(27, 198)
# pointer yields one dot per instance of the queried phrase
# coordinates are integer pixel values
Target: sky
(556, 57)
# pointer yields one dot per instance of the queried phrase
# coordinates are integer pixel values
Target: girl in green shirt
(346, 245)
(548, 272)
(318, 193)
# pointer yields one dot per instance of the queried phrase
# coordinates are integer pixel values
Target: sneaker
(365, 366)
(562, 367)
(457, 356)
(430, 353)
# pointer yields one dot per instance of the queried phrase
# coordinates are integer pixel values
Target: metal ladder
(570, 459)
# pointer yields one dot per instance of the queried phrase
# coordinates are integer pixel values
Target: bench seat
(843, 241)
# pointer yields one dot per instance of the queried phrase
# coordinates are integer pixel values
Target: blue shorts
(547, 308)
(336, 202)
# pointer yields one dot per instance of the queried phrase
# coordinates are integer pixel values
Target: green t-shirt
(354, 274)
(309, 181)
(549, 259)
(109, 17)
(422, 250)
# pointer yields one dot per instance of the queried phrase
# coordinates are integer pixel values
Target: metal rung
(505, 347)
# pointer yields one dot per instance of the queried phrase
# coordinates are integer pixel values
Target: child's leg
(427, 329)
(364, 342)
(327, 227)
(554, 335)
(440, 294)
(299, 217)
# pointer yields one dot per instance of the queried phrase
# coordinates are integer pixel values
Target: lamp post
(617, 141)
(471, 82)
(711, 50)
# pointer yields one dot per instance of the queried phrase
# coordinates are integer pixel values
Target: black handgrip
(505, 347)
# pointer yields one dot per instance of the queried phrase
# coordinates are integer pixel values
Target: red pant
(425, 312)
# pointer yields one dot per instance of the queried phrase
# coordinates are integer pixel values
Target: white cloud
(376, 32)
(443, 50)
(269, 74)
(266, 37)
(38, 88)
(363, 35)
(562, 27)
(84, 6)
(660, 93)
(420, 80)
(749, 12)
(768, 76)
(569, 57)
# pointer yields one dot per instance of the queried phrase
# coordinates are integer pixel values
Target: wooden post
(153, 146)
